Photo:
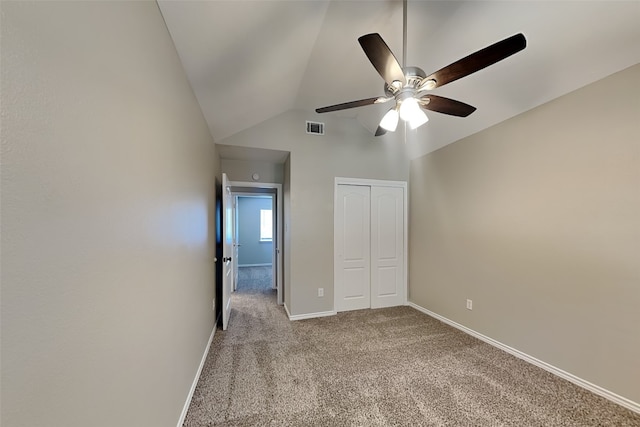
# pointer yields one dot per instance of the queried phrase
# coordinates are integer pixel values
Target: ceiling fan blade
(382, 58)
(446, 105)
(380, 131)
(352, 104)
(479, 60)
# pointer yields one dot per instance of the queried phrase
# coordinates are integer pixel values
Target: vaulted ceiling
(249, 61)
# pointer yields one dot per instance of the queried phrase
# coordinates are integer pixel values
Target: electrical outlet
(469, 304)
(320, 292)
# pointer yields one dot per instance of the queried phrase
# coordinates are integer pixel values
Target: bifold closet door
(369, 236)
(353, 247)
(387, 246)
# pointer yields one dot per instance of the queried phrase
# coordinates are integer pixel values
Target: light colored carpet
(255, 278)
(386, 367)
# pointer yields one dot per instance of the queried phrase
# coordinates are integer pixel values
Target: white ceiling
(248, 61)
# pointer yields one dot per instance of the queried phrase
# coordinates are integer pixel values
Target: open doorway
(252, 171)
(254, 241)
(257, 236)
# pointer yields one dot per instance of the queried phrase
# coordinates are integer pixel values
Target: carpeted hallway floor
(386, 367)
(256, 278)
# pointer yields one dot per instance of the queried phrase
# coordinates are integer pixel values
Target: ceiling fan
(410, 86)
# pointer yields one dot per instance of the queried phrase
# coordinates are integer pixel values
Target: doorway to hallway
(255, 252)
(257, 236)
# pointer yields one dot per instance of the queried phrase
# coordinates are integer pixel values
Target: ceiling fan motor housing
(414, 77)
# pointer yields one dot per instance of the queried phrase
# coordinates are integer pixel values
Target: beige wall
(347, 150)
(537, 220)
(107, 218)
(242, 170)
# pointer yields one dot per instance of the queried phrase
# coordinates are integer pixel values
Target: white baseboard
(286, 309)
(615, 398)
(309, 315)
(183, 415)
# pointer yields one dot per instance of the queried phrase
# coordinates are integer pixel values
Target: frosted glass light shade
(418, 120)
(409, 109)
(411, 112)
(390, 120)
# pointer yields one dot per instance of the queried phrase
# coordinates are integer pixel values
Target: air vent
(315, 128)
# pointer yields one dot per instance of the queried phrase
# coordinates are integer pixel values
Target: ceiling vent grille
(315, 128)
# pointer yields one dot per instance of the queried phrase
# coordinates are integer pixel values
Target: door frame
(235, 241)
(240, 188)
(371, 183)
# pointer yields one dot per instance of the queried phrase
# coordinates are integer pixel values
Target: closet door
(387, 246)
(353, 250)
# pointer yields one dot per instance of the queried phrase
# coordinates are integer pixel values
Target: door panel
(355, 282)
(227, 250)
(356, 239)
(352, 237)
(387, 283)
(387, 247)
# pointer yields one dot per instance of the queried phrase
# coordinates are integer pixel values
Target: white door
(227, 250)
(387, 246)
(352, 243)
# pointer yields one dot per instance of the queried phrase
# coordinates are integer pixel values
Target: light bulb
(390, 120)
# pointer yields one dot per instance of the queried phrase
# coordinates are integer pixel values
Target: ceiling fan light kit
(410, 86)
(410, 112)
(390, 120)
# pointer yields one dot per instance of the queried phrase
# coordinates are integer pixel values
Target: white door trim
(237, 189)
(378, 183)
(370, 182)
(235, 242)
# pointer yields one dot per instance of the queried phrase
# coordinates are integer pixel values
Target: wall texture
(346, 150)
(252, 251)
(242, 170)
(107, 218)
(537, 220)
